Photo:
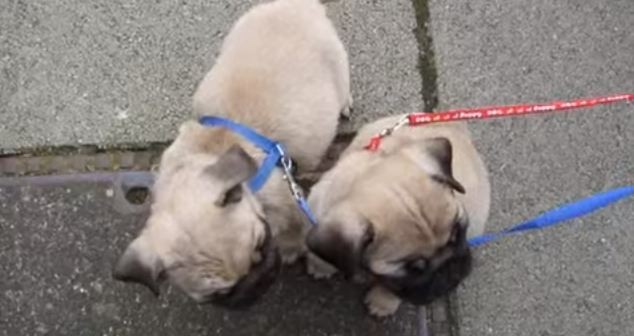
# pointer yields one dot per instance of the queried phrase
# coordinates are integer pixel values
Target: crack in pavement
(441, 315)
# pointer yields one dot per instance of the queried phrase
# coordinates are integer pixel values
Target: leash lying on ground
(559, 215)
(552, 217)
(275, 157)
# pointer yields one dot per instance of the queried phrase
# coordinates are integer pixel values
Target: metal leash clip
(400, 123)
(296, 190)
(375, 141)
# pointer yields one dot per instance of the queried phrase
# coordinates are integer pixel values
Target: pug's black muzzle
(421, 287)
(252, 286)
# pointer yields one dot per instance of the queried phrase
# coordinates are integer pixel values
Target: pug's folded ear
(140, 264)
(341, 243)
(441, 152)
(233, 168)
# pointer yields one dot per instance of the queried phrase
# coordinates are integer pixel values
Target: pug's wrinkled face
(206, 233)
(421, 279)
(402, 224)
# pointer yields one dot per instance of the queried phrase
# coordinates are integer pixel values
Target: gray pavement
(58, 244)
(122, 72)
(572, 280)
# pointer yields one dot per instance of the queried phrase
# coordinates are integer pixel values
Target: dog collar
(273, 149)
(275, 157)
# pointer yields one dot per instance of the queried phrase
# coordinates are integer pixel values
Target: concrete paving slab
(103, 73)
(384, 55)
(571, 280)
(60, 238)
(123, 72)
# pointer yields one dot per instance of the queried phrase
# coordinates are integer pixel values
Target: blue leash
(275, 157)
(556, 216)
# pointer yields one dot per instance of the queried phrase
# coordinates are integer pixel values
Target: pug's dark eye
(260, 248)
(458, 230)
(418, 265)
(162, 276)
(455, 234)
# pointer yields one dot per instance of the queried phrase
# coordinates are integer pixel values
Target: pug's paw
(291, 254)
(381, 302)
(289, 258)
(318, 268)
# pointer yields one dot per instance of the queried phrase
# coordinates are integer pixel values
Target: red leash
(421, 118)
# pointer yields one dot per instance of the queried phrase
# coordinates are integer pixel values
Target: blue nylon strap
(265, 144)
(303, 205)
(275, 152)
(564, 213)
(262, 175)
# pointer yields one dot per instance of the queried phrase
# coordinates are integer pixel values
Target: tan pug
(282, 71)
(401, 216)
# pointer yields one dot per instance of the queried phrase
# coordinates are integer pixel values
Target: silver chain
(287, 166)
(400, 123)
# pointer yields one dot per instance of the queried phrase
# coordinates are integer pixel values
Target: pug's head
(401, 223)
(206, 233)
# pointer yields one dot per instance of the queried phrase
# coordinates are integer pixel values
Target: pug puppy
(401, 216)
(284, 72)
